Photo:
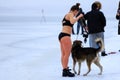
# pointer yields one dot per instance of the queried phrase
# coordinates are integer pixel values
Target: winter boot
(67, 73)
(103, 54)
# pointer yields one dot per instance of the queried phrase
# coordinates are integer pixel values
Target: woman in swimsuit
(65, 40)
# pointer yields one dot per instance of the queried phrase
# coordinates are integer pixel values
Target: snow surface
(30, 51)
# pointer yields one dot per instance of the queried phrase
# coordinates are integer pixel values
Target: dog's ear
(80, 41)
(74, 42)
(77, 42)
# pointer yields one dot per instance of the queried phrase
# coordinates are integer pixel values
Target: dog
(80, 54)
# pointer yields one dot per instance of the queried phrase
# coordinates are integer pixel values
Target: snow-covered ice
(30, 51)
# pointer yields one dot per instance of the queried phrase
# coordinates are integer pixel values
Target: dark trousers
(78, 28)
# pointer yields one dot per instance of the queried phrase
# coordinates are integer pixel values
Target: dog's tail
(100, 44)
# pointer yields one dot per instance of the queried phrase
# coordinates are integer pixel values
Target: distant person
(96, 23)
(43, 16)
(65, 39)
(80, 22)
(118, 18)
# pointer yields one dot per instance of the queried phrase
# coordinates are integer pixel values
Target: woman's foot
(67, 73)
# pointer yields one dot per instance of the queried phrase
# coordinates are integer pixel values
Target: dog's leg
(79, 64)
(74, 63)
(89, 67)
(99, 65)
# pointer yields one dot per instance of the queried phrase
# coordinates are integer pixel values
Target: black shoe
(67, 73)
(103, 54)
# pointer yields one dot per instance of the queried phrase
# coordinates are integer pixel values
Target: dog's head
(77, 43)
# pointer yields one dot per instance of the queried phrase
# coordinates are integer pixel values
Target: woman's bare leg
(66, 46)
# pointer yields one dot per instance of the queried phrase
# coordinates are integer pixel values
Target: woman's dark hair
(74, 7)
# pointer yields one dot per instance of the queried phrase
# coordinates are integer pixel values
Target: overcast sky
(53, 7)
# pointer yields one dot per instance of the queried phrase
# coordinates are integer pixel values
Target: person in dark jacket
(96, 23)
(80, 22)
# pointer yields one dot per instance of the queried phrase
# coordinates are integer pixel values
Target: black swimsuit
(61, 35)
(65, 23)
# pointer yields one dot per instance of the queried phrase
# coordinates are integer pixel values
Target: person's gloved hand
(85, 35)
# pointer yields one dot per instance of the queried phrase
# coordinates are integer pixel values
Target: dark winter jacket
(82, 20)
(80, 11)
(96, 21)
